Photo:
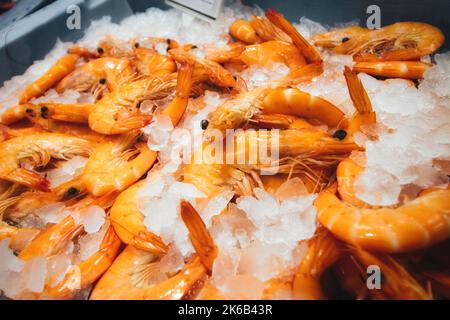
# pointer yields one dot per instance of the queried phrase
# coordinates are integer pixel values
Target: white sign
(203, 9)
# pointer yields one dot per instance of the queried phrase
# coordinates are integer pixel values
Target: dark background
(24, 40)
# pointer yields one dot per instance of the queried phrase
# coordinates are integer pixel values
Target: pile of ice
(413, 134)
(258, 239)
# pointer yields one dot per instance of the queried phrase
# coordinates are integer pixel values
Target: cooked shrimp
(98, 76)
(346, 174)
(198, 233)
(243, 31)
(393, 69)
(416, 224)
(128, 221)
(214, 71)
(292, 101)
(305, 48)
(398, 41)
(39, 148)
(336, 37)
(118, 112)
(236, 112)
(59, 70)
(116, 164)
(279, 121)
(323, 251)
(151, 63)
(131, 277)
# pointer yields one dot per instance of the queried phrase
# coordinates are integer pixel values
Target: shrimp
(40, 148)
(149, 62)
(262, 54)
(306, 49)
(323, 251)
(59, 70)
(214, 71)
(292, 101)
(99, 179)
(398, 41)
(98, 76)
(414, 225)
(346, 174)
(118, 112)
(394, 69)
(243, 31)
(131, 277)
(236, 112)
(116, 164)
(128, 222)
(279, 121)
(334, 38)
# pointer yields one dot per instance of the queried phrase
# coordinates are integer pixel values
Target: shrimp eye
(340, 134)
(100, 50)
(28, 110)
(204, 124)
(102, 81)
(194, 47)
(71, 192)
(345, 39)
(136, 45)
(44, 109)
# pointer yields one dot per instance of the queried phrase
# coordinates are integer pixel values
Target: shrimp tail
(308, 50)
(199, 235)
(323, 251)
(357, 92)
(150, 242)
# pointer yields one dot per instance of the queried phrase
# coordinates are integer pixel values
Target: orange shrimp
(59, 70)
(292, 101)
(39, 148)
(323, 251)
(398, 41)
(393, 69)
(116, 164)
(243, 31)
(98, 76)
(416, 224)
(305, 48)
(334, 38)
(214, 71)
(238, 111)
(149, 62)
(131, 278)
(54, 238)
